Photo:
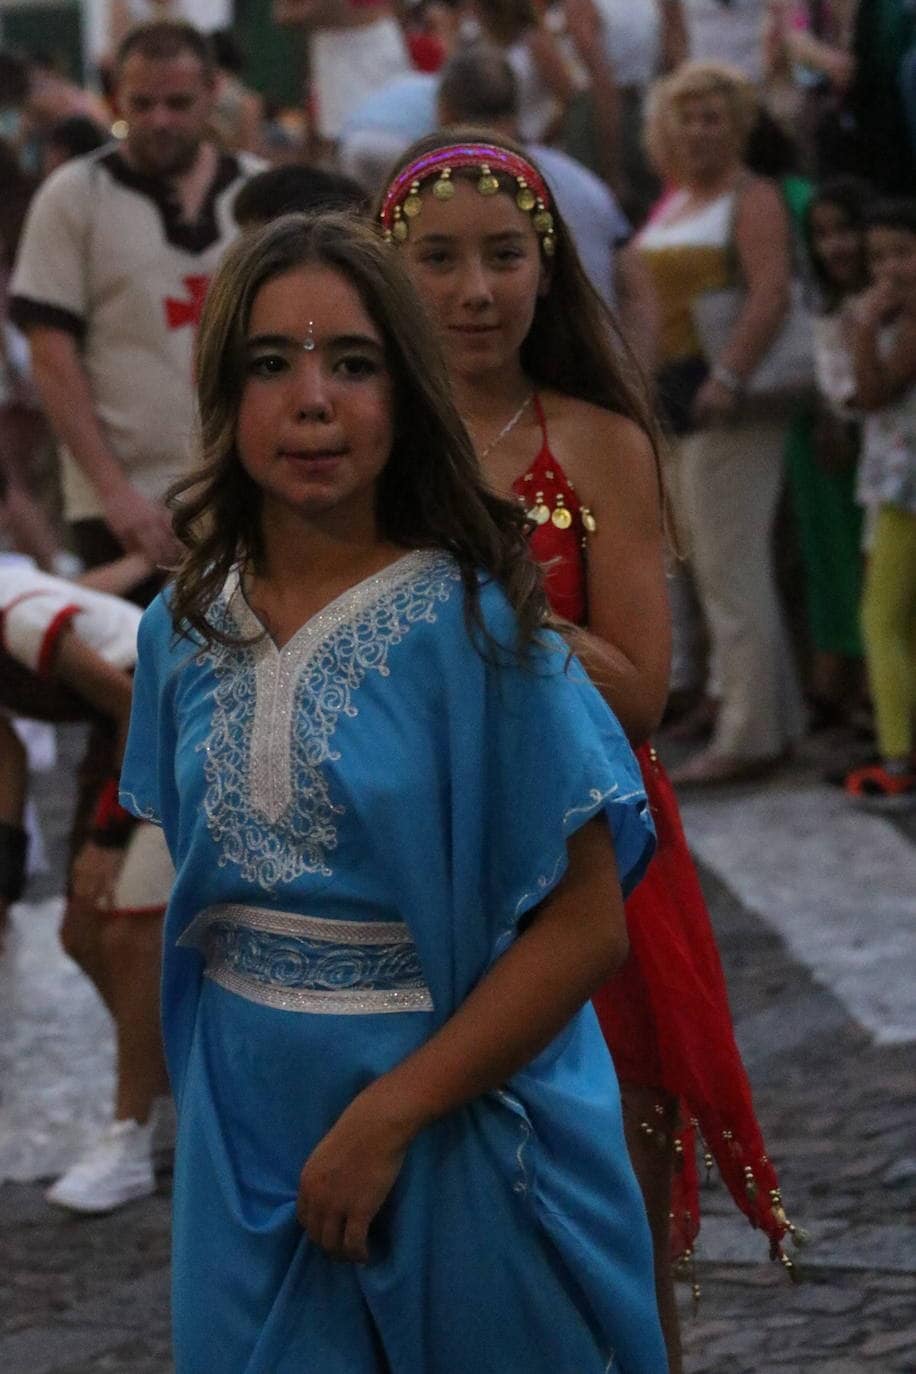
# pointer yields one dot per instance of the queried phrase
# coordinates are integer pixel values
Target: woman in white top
(719, 224)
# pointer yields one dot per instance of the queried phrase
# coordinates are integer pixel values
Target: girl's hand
(349, 1175)
(714, 404)
(876, 305)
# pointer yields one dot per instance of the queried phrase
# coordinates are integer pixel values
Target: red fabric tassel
(668, 1025)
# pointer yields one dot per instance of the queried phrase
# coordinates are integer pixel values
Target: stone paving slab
(57, 1270)
(843, 1325)
(832, 1245)
(837, 884)
(56, 1050)
(92, 1333)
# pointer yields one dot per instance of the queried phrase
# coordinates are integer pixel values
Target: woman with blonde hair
(719, 226)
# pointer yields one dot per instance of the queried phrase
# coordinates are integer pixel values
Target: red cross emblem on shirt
(181, 313)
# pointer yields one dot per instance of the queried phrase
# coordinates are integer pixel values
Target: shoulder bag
(787, 368)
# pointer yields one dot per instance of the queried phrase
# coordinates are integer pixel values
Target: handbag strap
(732, 256)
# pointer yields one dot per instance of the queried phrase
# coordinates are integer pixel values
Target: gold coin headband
(403, 201)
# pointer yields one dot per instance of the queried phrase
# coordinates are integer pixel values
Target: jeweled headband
(403, 202)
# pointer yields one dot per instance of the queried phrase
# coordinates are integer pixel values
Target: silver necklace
(507, 428)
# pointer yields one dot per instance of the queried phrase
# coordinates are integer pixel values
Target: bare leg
(133, 952)
(81, 935)
(109, 691)
(652, 1157)
(13, 785)
(13, 774)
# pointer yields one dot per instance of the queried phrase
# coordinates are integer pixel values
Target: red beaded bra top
(561, 528)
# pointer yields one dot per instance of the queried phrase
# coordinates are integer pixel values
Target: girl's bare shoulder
(602, 452)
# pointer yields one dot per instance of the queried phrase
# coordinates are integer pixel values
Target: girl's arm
(881, 377)
(576, 939)
(627, 646)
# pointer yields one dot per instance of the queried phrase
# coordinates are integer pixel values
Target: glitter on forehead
(308, 343)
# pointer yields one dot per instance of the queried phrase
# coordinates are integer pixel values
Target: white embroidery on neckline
(267, 803)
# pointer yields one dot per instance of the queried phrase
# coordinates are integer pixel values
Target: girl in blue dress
(401, 820)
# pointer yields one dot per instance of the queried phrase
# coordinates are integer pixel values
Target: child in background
(828, 519)
(67, 651)
(884, 363)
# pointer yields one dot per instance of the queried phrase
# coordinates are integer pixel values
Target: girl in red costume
(560, 420)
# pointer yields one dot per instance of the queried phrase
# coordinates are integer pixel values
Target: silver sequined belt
(306, 963)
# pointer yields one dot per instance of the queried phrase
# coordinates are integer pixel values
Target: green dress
(827, 518)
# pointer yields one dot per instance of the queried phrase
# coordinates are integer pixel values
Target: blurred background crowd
(739, 177)
(710, 155)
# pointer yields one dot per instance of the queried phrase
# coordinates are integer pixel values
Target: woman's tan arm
(763, 243)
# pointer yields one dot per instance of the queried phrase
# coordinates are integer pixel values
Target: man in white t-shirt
(110, 278)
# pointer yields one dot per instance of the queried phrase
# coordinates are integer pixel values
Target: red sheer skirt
(665, 1016)
(666, 1020)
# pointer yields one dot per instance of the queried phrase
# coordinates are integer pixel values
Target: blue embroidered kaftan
(359, 822)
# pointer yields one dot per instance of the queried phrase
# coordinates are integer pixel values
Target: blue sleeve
(141, 770)
(556, 758)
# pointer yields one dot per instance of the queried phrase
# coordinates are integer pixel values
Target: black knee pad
(14, 848)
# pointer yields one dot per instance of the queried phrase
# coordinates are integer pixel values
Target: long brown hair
(431, 493)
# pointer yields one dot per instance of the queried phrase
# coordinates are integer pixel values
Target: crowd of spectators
(740, 179)
(688, 143)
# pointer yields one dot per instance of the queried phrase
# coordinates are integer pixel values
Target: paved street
(814, 908)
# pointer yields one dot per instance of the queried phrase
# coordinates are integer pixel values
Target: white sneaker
(117, 1169)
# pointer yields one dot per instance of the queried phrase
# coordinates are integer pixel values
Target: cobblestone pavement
(836, 1101)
